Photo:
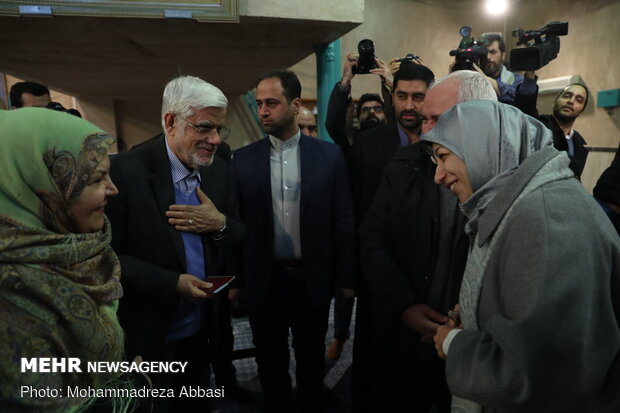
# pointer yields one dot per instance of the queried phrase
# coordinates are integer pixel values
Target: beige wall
(430, 29)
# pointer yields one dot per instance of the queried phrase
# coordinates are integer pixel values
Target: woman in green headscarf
(59, 278)
(540, 296)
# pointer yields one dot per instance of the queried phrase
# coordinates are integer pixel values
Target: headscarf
(491, 138)
(58, 289)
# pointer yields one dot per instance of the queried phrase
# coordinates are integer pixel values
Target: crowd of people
(487, 279)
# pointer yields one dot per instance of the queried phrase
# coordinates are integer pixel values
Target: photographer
(32, 94)
(370, 110)
(510, 87)
(29, 94)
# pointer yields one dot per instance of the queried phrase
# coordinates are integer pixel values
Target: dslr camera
(60, 108)
(408, 59)
(366, 59)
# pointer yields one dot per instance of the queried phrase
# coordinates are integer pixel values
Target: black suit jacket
(326, 218)
(150, 250)
(367, 158)
(578, 160)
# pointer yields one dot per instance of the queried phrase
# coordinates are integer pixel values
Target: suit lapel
(307, 159)
(263, 171)
(161, 181)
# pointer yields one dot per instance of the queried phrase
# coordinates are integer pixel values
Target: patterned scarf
(59, 289)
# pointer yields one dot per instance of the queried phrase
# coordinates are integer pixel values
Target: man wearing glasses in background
(170, 223)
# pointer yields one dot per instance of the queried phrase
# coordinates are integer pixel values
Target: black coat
(399, 238)
(367, 158)
(150, 250)
(399, 250)
(578, 161)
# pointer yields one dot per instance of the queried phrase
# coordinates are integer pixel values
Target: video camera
(544, 49)
(468, 52)
(366, 59)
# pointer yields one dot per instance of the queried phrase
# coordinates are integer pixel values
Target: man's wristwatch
(218, 235)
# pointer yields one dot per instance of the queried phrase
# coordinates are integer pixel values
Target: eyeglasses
(377, 109)
(209, 130)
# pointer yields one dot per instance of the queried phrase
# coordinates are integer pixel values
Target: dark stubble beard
(563, 119)
(416, 125)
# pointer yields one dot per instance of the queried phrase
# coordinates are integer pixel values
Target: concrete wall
(430, 29)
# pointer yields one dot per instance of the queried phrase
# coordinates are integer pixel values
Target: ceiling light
(496, 7)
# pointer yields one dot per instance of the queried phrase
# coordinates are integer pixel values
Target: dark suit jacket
(326, 216)
(578, 161)
(150, 250)
(367, 158)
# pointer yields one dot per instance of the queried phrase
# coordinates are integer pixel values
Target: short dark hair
(487, 40)
(413, 71)
(290, 82)
(575, 84)
(367, 97)
(18, 89)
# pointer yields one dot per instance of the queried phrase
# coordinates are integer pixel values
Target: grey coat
(546, 335)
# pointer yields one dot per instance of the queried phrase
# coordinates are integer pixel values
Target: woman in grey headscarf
(540, 298)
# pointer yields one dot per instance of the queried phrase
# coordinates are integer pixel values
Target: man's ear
(169, 122)
(296, 104)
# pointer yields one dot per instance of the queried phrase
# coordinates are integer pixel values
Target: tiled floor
(337, 377)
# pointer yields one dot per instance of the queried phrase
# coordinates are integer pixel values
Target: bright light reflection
(496, 7)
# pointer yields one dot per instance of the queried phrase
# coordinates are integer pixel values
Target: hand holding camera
(348, 69)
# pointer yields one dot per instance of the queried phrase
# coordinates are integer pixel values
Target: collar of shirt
(179, 171)
(570, 134)
(403, 138)
(280, 145)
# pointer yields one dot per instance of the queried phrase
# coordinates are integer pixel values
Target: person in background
(307, 122)
(568, 105)
(29, 94)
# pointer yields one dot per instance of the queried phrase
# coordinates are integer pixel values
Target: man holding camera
(507, 85)
(369, 112)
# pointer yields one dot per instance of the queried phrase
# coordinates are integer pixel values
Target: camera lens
(465, 31)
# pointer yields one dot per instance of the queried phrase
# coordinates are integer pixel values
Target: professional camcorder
(544, 46)
(468, 52)
(366, 59)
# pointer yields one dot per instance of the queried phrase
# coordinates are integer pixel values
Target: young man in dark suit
(172, 218)
(294, 198)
